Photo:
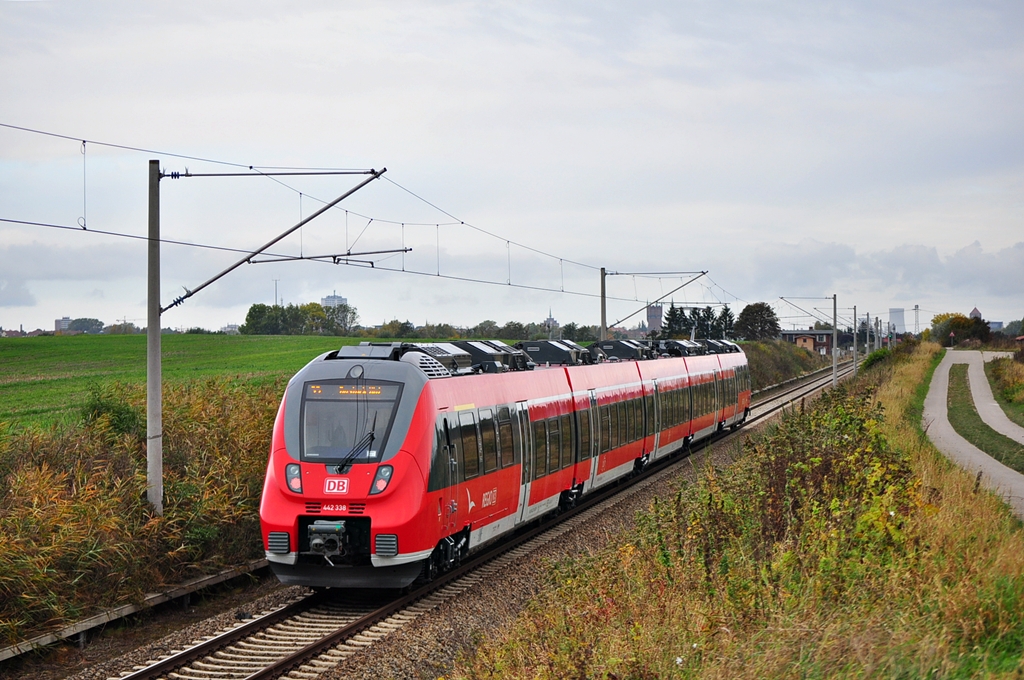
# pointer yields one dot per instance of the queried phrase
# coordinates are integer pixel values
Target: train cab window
(488, 440)
(540, 448)
(470, 449)
(584, 430)
(566, 426)
(505, 444)
(347, 420)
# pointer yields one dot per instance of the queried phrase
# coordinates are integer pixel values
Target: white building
(333, 300)
(896, 322)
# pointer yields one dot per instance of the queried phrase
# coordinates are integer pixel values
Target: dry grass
(841, 545)
(76, 534)
(1007, 378)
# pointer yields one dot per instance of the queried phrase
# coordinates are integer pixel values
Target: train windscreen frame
(338, 416)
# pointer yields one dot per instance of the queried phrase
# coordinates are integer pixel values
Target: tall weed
(76, 533)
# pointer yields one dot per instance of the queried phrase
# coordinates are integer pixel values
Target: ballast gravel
(428, 646)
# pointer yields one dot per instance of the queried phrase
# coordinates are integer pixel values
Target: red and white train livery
(385, 466)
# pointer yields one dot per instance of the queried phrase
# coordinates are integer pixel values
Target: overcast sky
(872, 150)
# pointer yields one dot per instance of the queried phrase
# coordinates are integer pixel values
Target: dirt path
(1006, 482)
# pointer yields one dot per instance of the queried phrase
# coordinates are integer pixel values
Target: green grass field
(45, 380)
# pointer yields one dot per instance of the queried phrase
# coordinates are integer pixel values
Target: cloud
(15, 294)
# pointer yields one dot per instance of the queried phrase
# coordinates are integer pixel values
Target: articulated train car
(391, 462)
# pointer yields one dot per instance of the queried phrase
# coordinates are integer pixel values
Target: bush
(775, 361)
(876, 357)
(109, 403)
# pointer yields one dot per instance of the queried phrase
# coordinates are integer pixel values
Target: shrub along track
(296, 637)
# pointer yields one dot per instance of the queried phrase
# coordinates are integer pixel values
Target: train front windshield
(347, 421)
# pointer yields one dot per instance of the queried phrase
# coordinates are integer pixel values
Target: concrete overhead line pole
(835, 342)
(154, 392)
(603, 335)
(855, 341)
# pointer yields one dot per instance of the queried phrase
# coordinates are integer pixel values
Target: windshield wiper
(360, 445)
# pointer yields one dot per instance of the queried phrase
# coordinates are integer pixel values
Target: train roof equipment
(556, 352)
(436, 359)
(721, 346)
(622, 350)
(494, 356)
(678, 348)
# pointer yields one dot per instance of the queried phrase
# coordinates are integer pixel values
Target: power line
(491, 234)
(340, 260)
(127, 147)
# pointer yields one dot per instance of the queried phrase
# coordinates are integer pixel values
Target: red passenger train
(393, 461)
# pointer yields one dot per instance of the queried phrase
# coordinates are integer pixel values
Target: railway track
(315, 633)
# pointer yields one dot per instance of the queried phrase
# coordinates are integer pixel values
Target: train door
(719, 400)
(595, 448)
(451, 442)
(521, 434)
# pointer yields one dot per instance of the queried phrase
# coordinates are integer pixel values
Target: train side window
(630, 421)
(613, 415)
(540, 449)
(554, 443)
(584, 430)
(505, 444)
(649, 414)
(470, 446)
(566, 456)
(606, 427)
(488, 440)
(638, 419)
(672, 408)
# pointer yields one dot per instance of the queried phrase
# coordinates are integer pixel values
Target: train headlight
(293, 476)
(381, 479)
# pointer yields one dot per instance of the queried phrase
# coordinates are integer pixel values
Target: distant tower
(550, 325)
(917, 322)
(896, 321)
(333, 300)
(655, 315)
(975, 314)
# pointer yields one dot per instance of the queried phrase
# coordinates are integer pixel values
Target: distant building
(995, 326)
(333, 300)
(975, 314)
(550, 324)
(230, 329)
(655, 316)
(62, 324)
(818, 341)
(896, 321)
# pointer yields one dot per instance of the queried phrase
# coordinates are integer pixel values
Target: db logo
(336, 485)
